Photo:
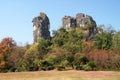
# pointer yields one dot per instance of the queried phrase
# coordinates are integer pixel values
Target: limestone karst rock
(41, 26)
(85, 22)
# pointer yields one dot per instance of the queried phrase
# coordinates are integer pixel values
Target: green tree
(70, 59)
(60, 38)
(29, 60)
(74, 43)
(103, 40)
(43, 47)
(116, 41)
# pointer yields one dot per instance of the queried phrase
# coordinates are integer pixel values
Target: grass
(61, 75)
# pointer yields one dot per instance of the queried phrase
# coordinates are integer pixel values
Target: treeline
(66, 50)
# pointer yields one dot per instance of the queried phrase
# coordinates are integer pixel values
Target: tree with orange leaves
(6, 46)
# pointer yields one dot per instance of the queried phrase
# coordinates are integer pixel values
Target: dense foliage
(6, 47)
(66, 50)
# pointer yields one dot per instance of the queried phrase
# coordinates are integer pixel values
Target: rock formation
(41, 26)
(82, 21)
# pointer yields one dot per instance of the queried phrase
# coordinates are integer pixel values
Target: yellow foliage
(33, 48)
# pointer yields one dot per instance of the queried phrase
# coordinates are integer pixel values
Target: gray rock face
(41, 26)
(82, 21)
(68, 22)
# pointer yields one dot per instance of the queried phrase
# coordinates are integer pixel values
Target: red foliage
(100, 57)
(6, 47)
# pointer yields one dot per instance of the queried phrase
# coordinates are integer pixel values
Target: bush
(60, 68)
(12, 70)
(43, 68)
(83, 59)
(79, 67)
(100, 57)
(70, 60)
(113, 62)
(64, 63)
(89, 66)
(47, 68)
(50, 67)
(45, 65)
(52, 59)
(79, 61)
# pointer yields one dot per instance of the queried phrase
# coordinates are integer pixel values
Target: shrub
(60, 68)
(89, 66)
(79, 61)
(64, 63)
(99, 57)
(83, 59)
(113, 61)
(50, 67)
(45, 65)
(52, 59)
(79, 67)
(43, 68)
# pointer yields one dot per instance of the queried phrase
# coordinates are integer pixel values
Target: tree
(60, 38)
(6, 47)
(43, 47)
(15, 57)
(74, 43)
(103, 40)
(116, 41)
(29, 60)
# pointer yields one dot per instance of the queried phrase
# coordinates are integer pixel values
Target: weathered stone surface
(68, 22)
(85, 22)
(41, 26)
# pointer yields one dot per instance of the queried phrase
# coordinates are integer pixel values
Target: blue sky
(16, 15)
